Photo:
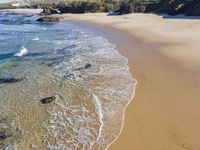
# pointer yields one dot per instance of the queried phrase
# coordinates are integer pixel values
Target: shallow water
(85, 73)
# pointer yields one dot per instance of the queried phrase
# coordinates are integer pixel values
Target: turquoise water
(89, 79)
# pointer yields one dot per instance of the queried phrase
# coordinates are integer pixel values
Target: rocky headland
(170, 7)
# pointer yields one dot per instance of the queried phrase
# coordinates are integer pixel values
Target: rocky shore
(170, 7)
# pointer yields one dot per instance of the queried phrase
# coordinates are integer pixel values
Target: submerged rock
(87, 66)
(10, 80)
(48, 100)
(48, 19)
(9, 134)
(4, 135)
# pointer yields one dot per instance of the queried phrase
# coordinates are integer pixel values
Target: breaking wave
(23, 51)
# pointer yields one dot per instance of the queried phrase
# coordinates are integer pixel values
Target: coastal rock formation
(137, 6)
(48, 10)
(48, 19)
(170, 7)
(189, 8)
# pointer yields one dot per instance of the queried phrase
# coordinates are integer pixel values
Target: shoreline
(156, 118)
(164, 60)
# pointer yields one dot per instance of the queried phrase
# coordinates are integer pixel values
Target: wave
(36, 39)
(99, 111)
(23, 51)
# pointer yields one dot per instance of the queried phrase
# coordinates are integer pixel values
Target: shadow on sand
(166, 16)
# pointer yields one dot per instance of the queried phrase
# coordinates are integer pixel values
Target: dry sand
(164, 58)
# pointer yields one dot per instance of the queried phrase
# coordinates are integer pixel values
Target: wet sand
(163, 56)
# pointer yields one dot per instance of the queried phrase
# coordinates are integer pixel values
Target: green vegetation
(171, 7)
(89, 6)
(137, 6)
(175, 7)
(5, 5)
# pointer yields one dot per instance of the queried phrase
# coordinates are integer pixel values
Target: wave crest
(23, 51)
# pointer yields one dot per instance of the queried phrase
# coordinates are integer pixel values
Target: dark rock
(48, 19)
(9, 133)
(170, 7)
(88, 66)
(48, 100)
(48, 10)
(10, 80)
(176, 7)
(195, 10)
(7, 20)
(4, 135)
(136, 6)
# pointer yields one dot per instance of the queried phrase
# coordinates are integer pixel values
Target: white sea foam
(23, 51)
(36, 39)
(85, 35)
(99, 112)
(115, 83)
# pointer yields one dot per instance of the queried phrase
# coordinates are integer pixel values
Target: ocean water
(89, 79)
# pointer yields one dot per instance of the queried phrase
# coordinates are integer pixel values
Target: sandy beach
(163, 56)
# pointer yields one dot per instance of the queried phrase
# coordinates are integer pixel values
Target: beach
(163, 57)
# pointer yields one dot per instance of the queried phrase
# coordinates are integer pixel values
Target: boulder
(48, 19)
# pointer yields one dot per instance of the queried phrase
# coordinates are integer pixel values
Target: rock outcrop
(170, 7)
(137, 6)
(176, 7)
(48, 19)
(48, 10)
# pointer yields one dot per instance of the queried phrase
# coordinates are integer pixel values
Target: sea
(85, 78)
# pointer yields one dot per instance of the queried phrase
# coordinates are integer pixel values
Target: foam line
(23, 51)
(99, 112)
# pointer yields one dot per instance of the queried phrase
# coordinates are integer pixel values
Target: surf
(23, 51)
